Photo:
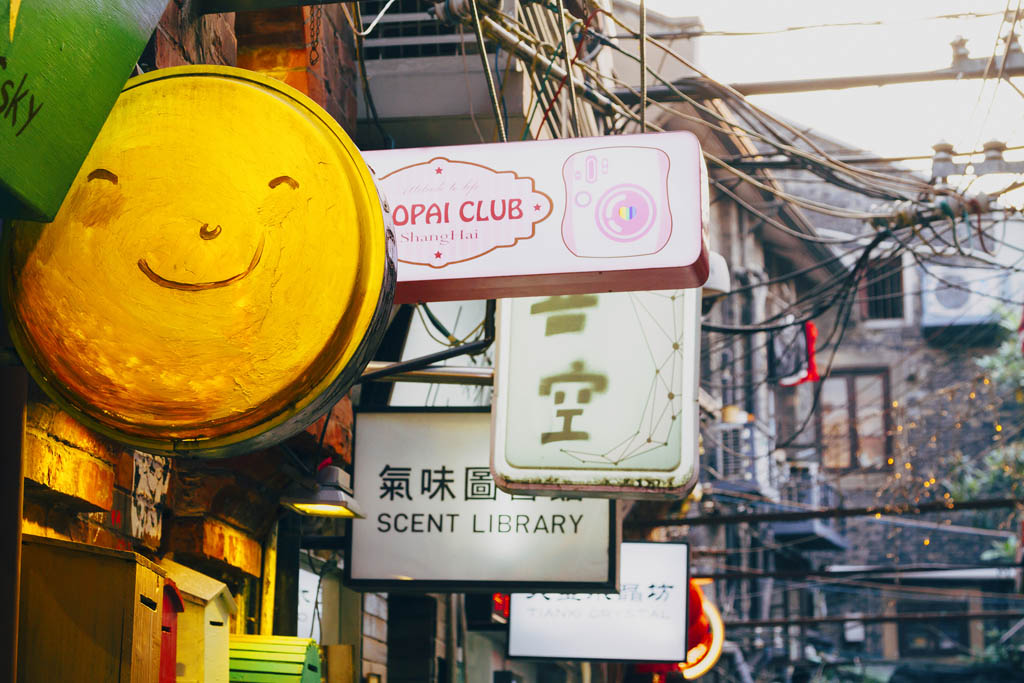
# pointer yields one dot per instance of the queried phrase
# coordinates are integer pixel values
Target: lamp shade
(331, 499)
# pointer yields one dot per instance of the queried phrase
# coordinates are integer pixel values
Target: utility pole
(943, 165)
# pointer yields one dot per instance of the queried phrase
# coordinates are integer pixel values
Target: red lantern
(704, 640)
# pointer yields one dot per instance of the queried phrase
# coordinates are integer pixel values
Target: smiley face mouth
(201, 286)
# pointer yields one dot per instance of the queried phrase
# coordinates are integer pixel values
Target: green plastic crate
(274, 659)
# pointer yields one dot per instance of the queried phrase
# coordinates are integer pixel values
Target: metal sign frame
(549, 465)
(608, 585)
(686, 624)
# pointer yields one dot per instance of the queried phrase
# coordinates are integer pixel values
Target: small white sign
(547, 216)
(598, 394)
(435, 520)
(645, 621)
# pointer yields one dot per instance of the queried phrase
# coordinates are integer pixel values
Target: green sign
(62, 65)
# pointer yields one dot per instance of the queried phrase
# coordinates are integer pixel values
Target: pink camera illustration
(616, 202)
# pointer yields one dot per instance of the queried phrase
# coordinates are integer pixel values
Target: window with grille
(407, 31)
(883, 289)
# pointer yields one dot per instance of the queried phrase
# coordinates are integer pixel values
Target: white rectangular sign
(435, 520)
(547, 216)
(598, 394)
(645, 621)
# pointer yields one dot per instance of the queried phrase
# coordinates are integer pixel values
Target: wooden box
(274, 659)
(203, 627)
(87, 614)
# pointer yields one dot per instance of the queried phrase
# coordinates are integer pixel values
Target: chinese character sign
(645, 620)
(598, 393)
(436, 518)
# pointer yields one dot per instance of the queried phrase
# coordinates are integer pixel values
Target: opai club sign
(436, 520)
(448, 212)
(547, 216)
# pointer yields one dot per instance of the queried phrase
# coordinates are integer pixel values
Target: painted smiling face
(214, 270)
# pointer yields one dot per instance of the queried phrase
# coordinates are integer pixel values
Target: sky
(895, 120)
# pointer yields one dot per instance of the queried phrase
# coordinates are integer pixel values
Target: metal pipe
(516, 46)
(469, 375)
(425, 361)
(566, 40)
(478, 30)
(643, 66)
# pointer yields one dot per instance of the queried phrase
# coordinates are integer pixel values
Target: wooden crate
(87, 614)
(274, 659)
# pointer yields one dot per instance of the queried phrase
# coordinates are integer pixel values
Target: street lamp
(332, 498)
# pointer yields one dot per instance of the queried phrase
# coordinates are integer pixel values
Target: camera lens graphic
(625, 213)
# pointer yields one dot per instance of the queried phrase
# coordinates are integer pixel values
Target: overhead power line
(700, 33)
(786, 163)
(831, 513)
(732, 573)
(878, 618)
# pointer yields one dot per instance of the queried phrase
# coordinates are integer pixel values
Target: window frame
(908, 283)
(850, 374)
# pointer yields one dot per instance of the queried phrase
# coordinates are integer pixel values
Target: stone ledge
(55, 470)
(209, 541)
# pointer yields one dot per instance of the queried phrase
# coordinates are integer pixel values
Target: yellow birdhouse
(204, 626)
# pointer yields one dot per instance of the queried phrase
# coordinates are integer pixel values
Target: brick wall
(375, 635)
(933, 419)
(185, 37)
(279, 43)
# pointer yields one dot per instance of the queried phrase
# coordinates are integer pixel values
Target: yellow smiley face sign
(219, 274)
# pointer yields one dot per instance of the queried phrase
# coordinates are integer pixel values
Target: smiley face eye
(102, 174)
(288, 180)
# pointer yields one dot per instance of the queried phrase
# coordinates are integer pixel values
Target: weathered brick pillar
(279, 43)
(185, 37)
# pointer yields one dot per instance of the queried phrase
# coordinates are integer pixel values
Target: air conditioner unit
(956, 296)
(733, 452)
